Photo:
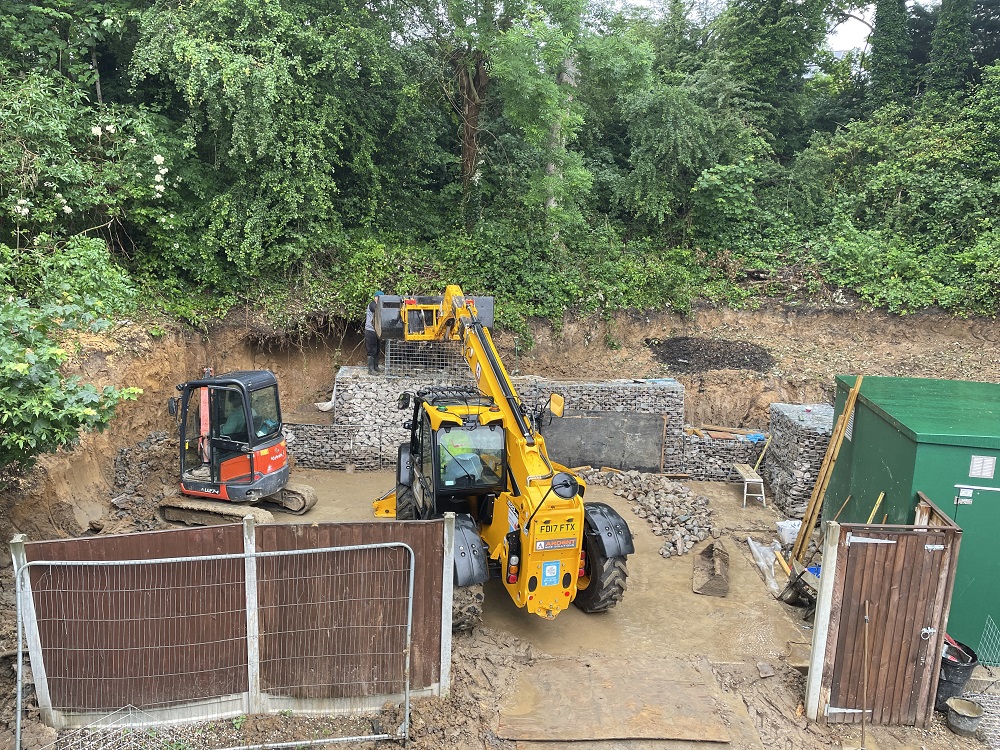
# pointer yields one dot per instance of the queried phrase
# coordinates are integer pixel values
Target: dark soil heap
(689, 354)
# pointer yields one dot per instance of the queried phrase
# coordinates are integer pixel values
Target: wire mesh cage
(437, 359)
(989, 644)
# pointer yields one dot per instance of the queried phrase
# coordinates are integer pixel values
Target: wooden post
(825, 471)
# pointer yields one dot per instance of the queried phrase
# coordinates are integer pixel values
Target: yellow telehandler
(475, 451)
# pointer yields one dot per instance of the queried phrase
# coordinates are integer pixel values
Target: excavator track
(194, 512)
(294, 498)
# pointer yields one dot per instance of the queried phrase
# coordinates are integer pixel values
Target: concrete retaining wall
(800, 435)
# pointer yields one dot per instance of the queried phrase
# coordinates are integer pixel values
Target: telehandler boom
(475, 451)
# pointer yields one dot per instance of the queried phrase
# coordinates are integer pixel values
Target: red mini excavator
(233, 450)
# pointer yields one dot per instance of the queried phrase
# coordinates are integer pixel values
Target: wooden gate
(882, 609)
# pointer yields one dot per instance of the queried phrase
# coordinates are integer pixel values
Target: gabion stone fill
(800, 435)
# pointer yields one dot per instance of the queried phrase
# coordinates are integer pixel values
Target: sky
(850, 35)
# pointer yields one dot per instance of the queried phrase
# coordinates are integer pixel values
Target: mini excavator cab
(232, 446)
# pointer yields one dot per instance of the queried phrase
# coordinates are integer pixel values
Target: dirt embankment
(733, 365)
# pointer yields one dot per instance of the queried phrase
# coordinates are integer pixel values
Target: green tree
(889, 62)
(951, 49)
(767, 45)
(42, 410)
(65, 38)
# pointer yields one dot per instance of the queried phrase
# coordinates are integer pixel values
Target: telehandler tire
(603, 586)
(406, 504)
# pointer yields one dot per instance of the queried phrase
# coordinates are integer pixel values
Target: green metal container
(939, 437)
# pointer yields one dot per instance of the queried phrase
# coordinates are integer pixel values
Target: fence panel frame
(252, 701)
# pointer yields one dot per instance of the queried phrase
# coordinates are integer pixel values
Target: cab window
(264, 408)
(230, 421)
(470, 458)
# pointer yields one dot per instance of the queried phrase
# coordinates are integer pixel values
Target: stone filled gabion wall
(680, 518)
(711, 459)
(344, 447)
(800, 435)
(367, 427)
(656, 396)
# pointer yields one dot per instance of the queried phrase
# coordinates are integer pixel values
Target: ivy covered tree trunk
(889, 63)
(951, 48)
(473, 80)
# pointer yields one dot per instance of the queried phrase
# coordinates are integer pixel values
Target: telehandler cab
(475, 451)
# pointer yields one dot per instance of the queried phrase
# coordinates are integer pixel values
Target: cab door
(423, 466)
(232, 459)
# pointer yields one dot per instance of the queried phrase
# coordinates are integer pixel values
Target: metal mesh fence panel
(989, 644)
(437, 359)
(314, 641)
(989, 725)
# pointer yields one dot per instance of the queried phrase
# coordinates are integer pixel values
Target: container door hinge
(852, 539)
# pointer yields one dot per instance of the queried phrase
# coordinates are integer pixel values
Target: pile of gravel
(682, 519)
(143, 474)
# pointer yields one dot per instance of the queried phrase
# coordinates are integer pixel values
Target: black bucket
(957, 665)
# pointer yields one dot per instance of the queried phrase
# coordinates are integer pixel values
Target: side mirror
(403, 402)
(172, 406)
(557, 405)
(565, 485)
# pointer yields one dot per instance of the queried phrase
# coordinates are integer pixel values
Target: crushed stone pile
(144, 473)
(673, 512)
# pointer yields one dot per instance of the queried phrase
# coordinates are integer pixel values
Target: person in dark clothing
(371, 337)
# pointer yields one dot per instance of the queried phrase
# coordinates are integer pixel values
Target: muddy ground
(71, 493)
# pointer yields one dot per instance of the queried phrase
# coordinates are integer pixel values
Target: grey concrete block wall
(800, 435)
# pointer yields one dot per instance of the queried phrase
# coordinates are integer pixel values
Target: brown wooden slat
(879, 620)
(909, 640)
(839, 697)
(924, 709)
(922, 659)
(841, 668)
(903, 640)
(887, 652)
(865, 578)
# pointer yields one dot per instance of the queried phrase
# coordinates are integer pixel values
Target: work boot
(376, 365)
(372, 368)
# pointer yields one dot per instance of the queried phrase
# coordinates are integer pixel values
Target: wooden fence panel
(424, 537)
(168, 634)
(140, 616)
(905, 575)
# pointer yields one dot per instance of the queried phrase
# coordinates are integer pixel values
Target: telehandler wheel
(603, 584)
(406, 504)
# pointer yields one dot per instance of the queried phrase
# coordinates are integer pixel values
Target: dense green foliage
(40, 409)
(294, 155)
(890, 56)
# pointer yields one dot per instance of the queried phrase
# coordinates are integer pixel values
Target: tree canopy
(294, 155)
